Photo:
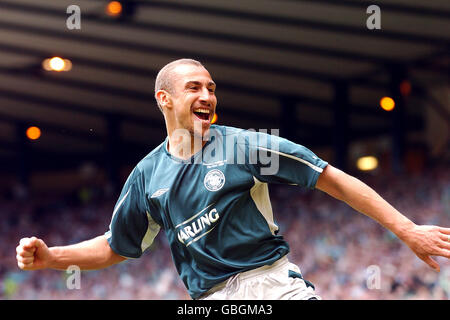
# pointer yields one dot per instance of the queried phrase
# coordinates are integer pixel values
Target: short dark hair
(164, 79)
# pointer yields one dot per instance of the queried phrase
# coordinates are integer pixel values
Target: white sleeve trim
(260, 195)
(152, 231)
(309, 164)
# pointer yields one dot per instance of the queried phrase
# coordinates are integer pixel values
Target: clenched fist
(32, 254)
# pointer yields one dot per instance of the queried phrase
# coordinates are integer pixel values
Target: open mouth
(202, 114)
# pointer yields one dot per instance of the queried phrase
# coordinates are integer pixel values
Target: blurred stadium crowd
(334, 246)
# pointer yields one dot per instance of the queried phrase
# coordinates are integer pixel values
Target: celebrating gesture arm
(424, 241)
(33, 254)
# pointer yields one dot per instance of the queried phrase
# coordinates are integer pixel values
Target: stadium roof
(275, 63)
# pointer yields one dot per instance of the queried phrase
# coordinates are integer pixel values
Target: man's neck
(185, 146)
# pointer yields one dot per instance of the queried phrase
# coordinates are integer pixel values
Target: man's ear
(164, 98)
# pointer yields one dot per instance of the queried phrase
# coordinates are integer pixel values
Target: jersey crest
(214, 180)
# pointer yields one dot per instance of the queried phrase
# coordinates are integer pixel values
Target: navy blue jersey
(214, 207)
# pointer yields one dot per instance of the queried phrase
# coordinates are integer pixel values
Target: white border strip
(315, 168)
(200, 236)
(120, 202)
(194, 216)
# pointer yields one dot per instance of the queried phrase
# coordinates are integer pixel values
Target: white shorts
(280, 281)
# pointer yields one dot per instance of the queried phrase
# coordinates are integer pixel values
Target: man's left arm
(424, 241)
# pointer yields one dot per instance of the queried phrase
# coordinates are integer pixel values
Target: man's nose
(205, 96)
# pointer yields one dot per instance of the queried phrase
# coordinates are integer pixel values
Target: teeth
(202, 111)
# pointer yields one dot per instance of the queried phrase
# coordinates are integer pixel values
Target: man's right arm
(33, 254)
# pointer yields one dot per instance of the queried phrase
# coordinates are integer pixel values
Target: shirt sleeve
(132, 230)
(273, 159)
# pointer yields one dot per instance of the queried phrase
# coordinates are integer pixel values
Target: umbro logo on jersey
(214, 180)
(159, 192)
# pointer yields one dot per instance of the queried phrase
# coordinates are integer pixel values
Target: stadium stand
(336, 248)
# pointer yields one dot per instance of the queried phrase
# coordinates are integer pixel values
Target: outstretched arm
(424, 241)
(33, 254)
